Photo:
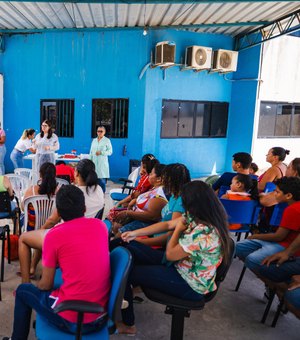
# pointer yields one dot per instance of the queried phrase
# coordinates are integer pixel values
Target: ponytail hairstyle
(202, 204)
(47, 183)
(149, 161)
(250, 185)
(175, 176)
(26, 133)
(86, 170)
(50, 132)
(280, 152)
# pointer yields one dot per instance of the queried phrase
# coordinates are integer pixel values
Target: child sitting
(242, 188)
(258, 246)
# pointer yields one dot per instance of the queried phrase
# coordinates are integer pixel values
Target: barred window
(113, 115)
(61, 113)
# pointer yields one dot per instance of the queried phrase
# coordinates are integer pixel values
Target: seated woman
(86, 180)
(242, 188)
(147, 164)
(147, 208)
(175, 176)
(199, 243)
(275, 157)
(292, 170)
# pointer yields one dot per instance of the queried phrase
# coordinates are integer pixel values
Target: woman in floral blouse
(199, 243)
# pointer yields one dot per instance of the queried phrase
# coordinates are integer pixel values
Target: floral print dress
(203, 244)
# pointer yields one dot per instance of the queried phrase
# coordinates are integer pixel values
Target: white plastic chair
(24, 172)
(127, 187)
(61, 181)
(43, 208)
(19, 184)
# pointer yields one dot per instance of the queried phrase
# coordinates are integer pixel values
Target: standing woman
(45, 143)
(23, 144)
(2, 150)
(101, 148)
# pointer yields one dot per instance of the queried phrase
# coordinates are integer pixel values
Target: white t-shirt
(23, 144)
(94, 200)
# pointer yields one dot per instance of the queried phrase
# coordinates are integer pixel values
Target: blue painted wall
(243, 103)
(107, 64)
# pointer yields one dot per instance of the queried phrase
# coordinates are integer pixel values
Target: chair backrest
(61, 181)
(242, 212)
(65, 177)
(277, 214)
(269, 187)
(210, 180)
(43, 208)
(19, 184)
(5, 206)
(133, 176)
(99, 214)
(120, 261)
(224, 267)
(24, 172)
(222, 191)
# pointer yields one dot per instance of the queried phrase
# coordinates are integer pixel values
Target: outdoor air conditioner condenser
(198, 57)
(165, 53)
(225, 61)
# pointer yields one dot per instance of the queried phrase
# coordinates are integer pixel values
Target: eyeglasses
(100, 131)
(44, 125)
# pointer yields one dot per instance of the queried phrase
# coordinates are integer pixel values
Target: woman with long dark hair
(23, 144)
(199, 243)
(45, 143)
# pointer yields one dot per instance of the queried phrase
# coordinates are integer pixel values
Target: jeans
(102, 183)
(293, 297)
(148, 271)
(281, 273)
(16, 157)
(252, 252)
(134, 225)
(2, 155)
(29, 297)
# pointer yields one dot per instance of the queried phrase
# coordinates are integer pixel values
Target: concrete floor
(231, 315)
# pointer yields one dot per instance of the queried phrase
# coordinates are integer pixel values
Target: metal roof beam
(288, 24)
(133, 2)
(180, 27)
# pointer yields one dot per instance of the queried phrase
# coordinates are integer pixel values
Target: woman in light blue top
(101, 148)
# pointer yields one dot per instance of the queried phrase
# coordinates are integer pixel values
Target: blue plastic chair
(274, 221)
(242, 212)
(120, 261)
(269, 187)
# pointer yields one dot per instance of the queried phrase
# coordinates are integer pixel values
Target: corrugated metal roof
(227, 17)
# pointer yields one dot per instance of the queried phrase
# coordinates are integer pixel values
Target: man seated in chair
(241, 162)
(281, 272)
(258, 246)
(79, 246)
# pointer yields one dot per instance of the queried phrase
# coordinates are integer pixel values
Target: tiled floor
(231, 315)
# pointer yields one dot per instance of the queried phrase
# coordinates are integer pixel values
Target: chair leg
(240, 278)
(276, 316)
(2, 257)
(8, 244)
(238, 237)
(269, 304)
(177, 327)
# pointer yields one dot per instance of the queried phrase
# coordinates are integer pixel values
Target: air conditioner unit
(198, 57)
(165, 53)
(224, 61)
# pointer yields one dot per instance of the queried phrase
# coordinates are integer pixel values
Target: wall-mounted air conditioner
(224, 61)
(198, 57)
(165, 53)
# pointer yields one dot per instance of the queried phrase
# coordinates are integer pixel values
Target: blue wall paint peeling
(91, 65)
